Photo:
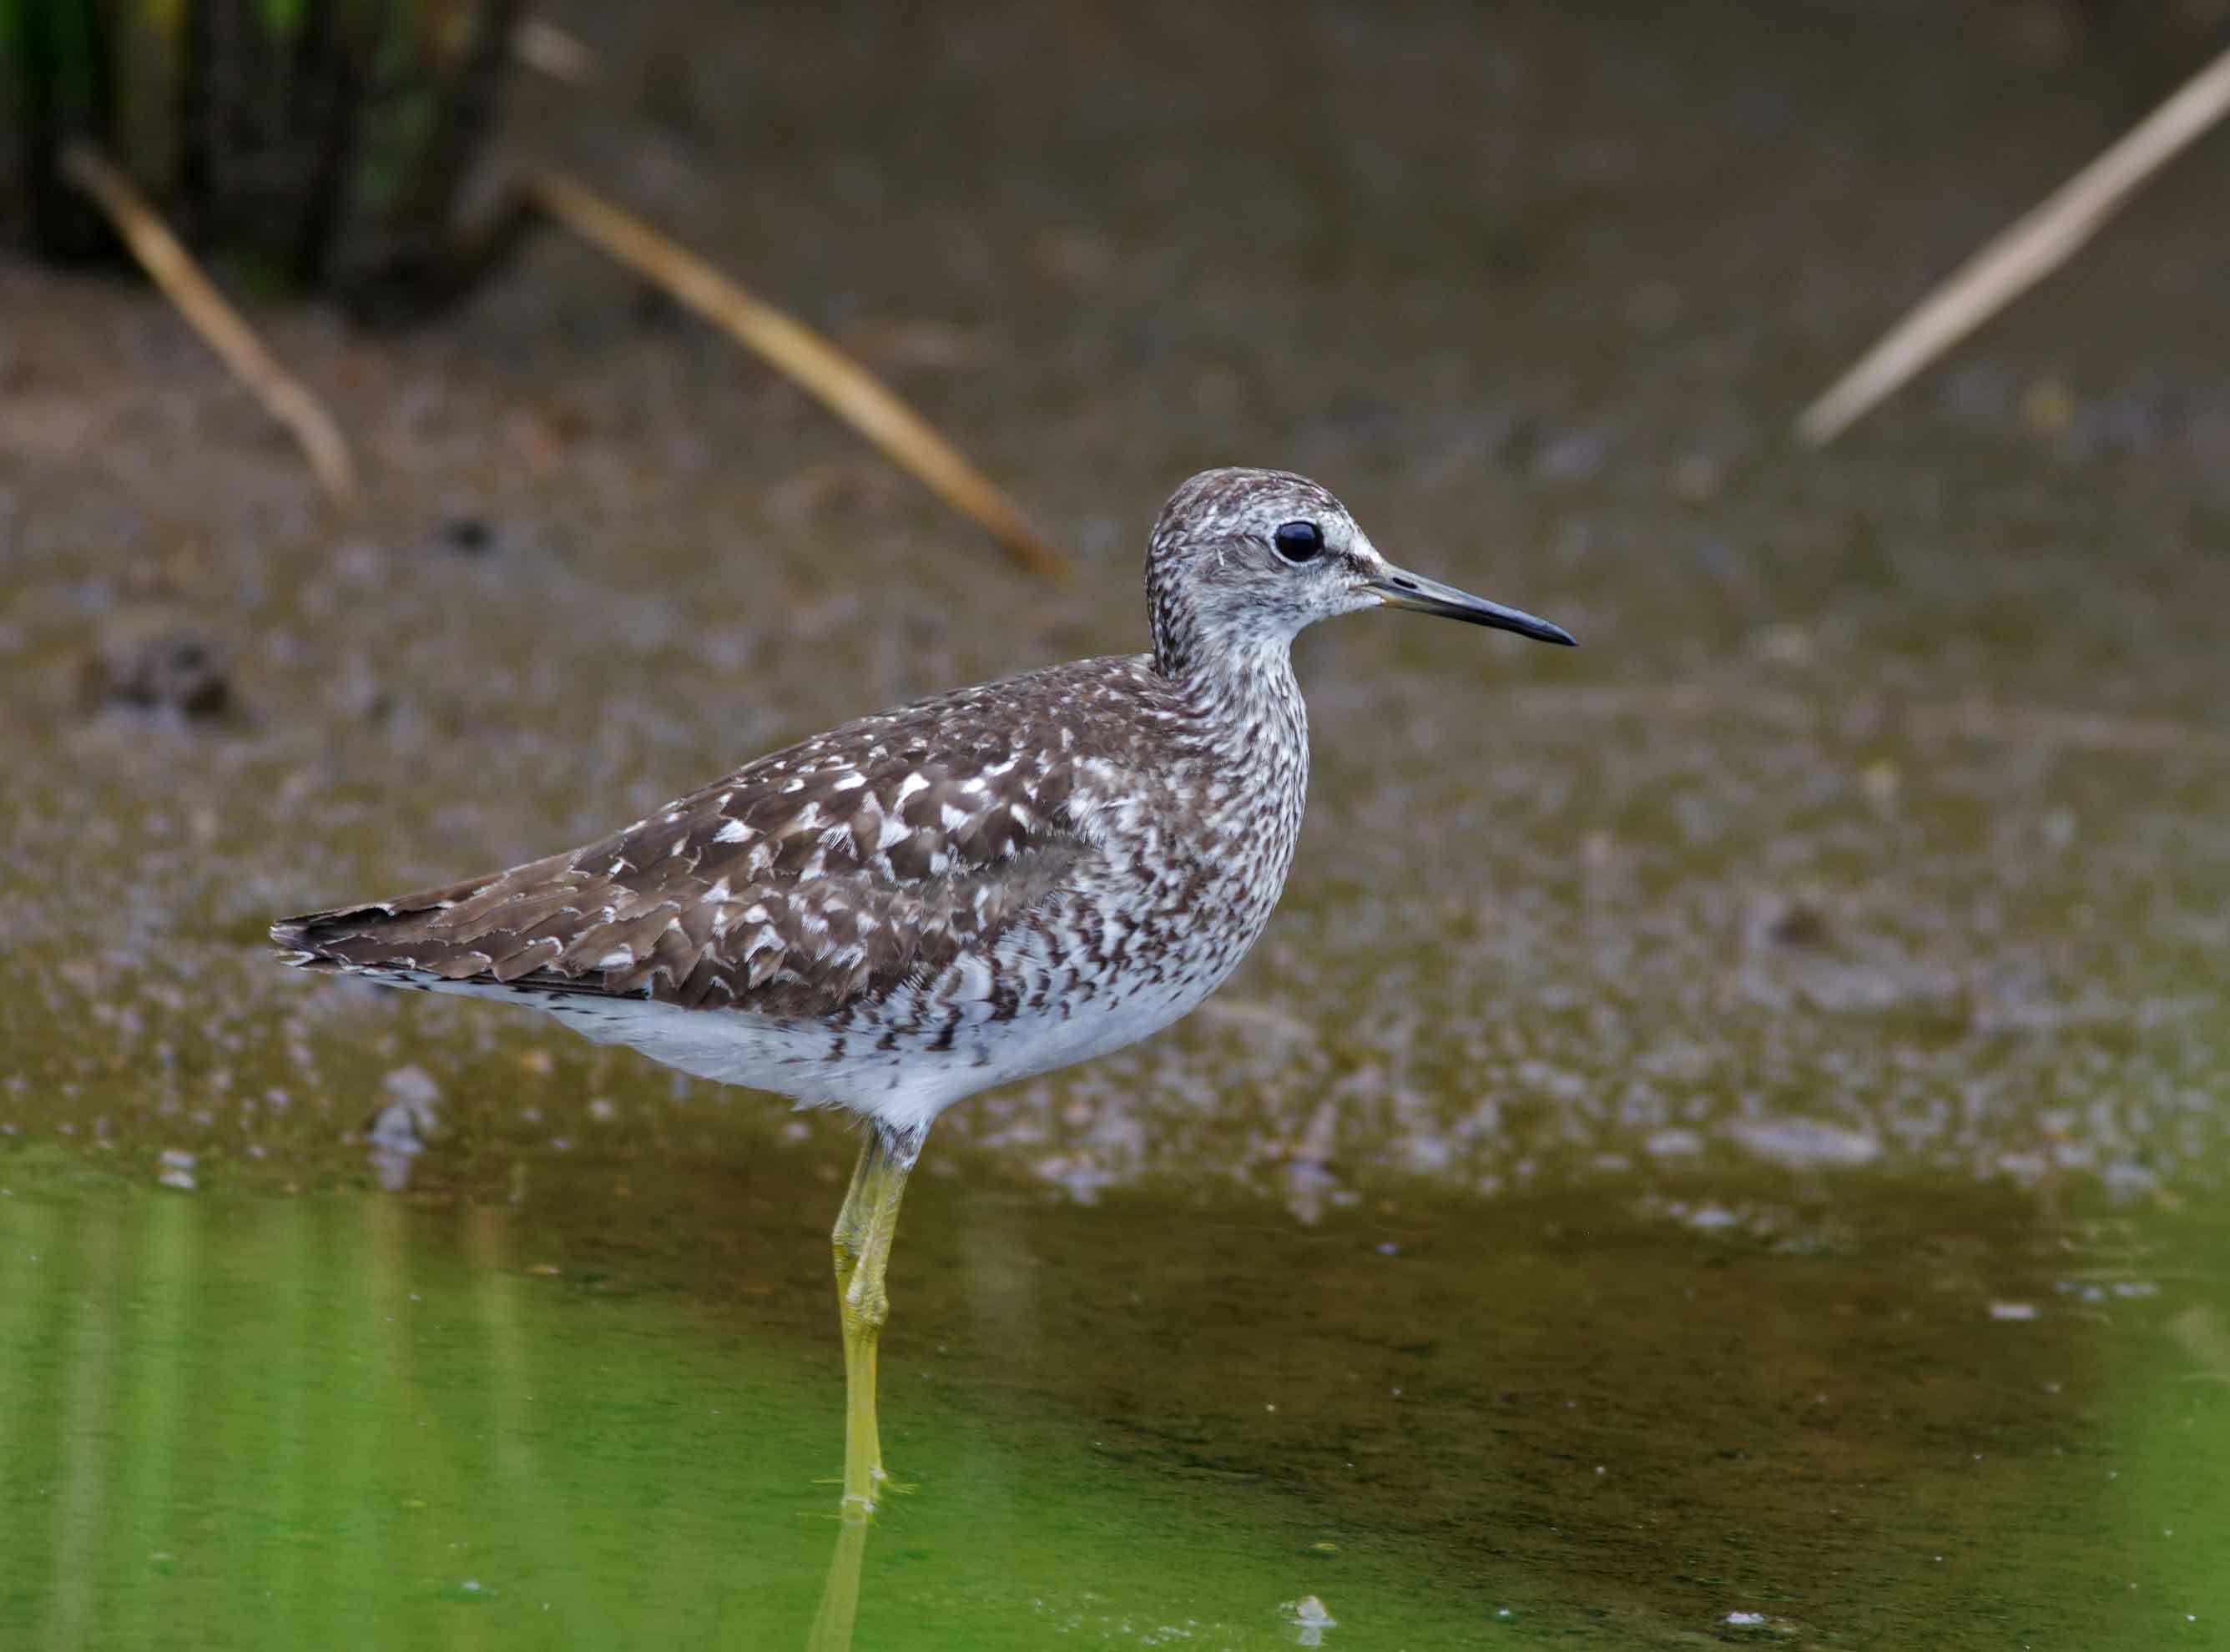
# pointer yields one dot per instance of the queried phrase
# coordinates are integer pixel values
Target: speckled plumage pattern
(973, 888)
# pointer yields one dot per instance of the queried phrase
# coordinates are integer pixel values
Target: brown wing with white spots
(800, 884)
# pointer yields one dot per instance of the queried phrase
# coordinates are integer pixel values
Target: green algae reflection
(361, 1421)
(343, 1421)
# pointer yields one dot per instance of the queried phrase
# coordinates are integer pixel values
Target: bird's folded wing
(802, 882)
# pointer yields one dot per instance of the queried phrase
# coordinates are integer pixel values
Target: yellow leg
(865, 1227)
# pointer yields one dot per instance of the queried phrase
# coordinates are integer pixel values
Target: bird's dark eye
(1298, 541)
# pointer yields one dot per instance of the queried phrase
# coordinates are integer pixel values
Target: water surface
(570, 1420)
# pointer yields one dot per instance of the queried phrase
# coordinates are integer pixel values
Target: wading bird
(974, 888)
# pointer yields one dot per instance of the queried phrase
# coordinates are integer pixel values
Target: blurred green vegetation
(300, 144)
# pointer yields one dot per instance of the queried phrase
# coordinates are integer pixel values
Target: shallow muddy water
(1724, 1140)
(604, 1415)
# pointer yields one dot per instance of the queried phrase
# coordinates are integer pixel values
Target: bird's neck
(1246, 692)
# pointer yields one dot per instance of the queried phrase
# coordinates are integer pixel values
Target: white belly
(817, 1065)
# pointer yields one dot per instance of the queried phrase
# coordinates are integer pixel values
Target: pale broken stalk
(2020, 256)
(172, 269)
(845, 386)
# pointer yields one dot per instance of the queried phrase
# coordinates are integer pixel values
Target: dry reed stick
(848, 389)
(2021, 256)
(547, 49)
(284, 397)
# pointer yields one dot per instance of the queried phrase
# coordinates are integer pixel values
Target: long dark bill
(1399, 589)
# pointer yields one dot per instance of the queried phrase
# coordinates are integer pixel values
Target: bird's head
(1241, 557)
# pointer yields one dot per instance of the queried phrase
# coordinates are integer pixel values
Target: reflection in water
(361, 1421)
(840, 1596)
(2200, 1330)
(87, 1460)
